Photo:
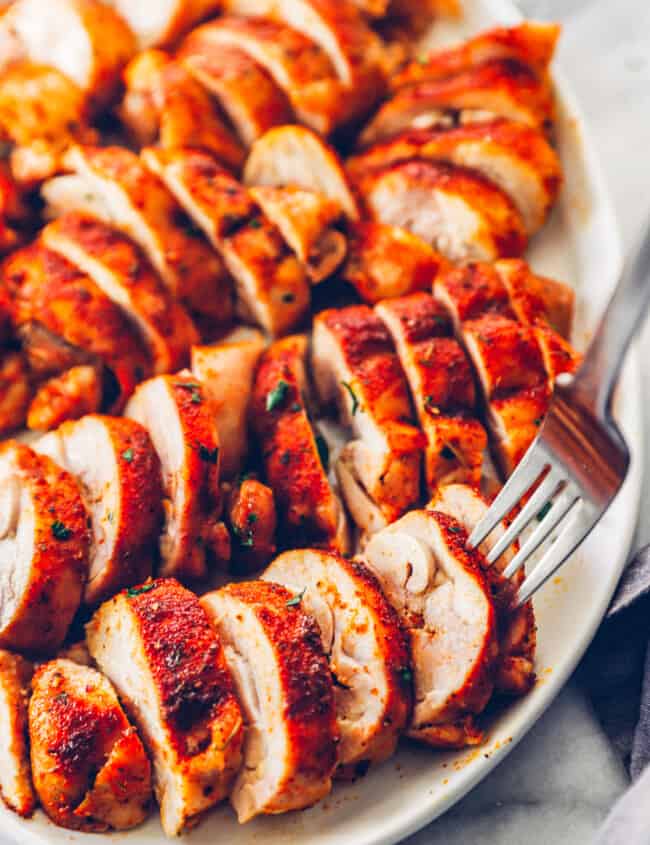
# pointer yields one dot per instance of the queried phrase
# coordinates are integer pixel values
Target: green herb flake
(187, 385)
(285, 457)
(255, 223)
(353, 397)
(295, 601)
(276, 397)
(252, 518)
(60, 531)
(110, 516)
(210, 456)
(323, 451)
(422, 59)
(296, 407)
(538, 421)
(406, 674)
(455, 529)
(132, 592)
(544, 511)
(127, 454)
(447, 453)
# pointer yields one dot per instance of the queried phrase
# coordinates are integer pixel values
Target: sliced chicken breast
(15, 775)
(126, 277)
(296, 460)
(253, 522)
(283, 681)
(164, 104)
(112, 183)
(460, 213)
(307, 222)
(177, 414)
(70, 396)
(442, 387)
(118, 472)
(367, 649)
(15, 391)
(270, 283)
(226, 370)
(440, 593)
(356, 368)
(156, 645)
(294, 155)
(162, 23)
(43, 550)
(89, 767)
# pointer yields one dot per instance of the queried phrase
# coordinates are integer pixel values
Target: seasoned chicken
(387, 261)
(252, 520)
(43, 549)
(283, 681)
(15, 775)
(226, 370)
(247, 94)
(156, 645)
(76, 392)
(164, 104)
(177, 414)
(118, 472)
(113, 184)
(355, 366)
(85, 40)
(442, 387)
(515, 157)
(270, 283)
(438, 589)
(296, 460)
(126, 277)
(294, 155)
(90, 770)
(15, 391)
(162, 23)
(367, 648)
(457, 211)
(306, 220)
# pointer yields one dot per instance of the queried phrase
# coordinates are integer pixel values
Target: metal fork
(579, 458)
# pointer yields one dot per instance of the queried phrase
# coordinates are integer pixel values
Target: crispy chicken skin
(270, 283)
(44, 545)
(163, 22)
(15, 391)
(125, 276)
(515, 157)
(355, 367)
(164, 104)
(283, 681)
(306, 221)
(456, 210)
(442, 387)
(246, 93)
(174, 681)
(294, 458)
(15, 775)
(386, 261)
(89, 767)
(118, 472)
(252, 519)
(226, 370)
(440, 593)
(294, 155)
(367, 648)
(70, 396)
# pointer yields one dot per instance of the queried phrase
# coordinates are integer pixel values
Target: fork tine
(558, 511)
(540, 497)
(530, 468)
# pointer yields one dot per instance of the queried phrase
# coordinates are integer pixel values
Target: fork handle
(596, 379)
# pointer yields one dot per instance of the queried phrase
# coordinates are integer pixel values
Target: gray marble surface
(559, 783)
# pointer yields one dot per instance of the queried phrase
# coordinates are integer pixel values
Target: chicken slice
(457, 211)
(387, 261)
(294, 155)
(15, 391)
(270, 283)
(113, 184)
(162, 23)
(157, 646)
(124, 275)
(498, 88)
(306, 221)
(355, 366)
(90, 770)
(438, 589)
(118, 472)
(295, 459)
(367, 648)
(15, 774)
(515, 670)
(70, 396)
(442, 387)
(226, 370)
(283, 681)
(164, 104)
(85, 40)
(247, 94)
(43, 550)
(252, 519)
(177, 414)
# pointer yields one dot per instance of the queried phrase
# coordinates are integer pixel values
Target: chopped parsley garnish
(132, 592)
(255, 223)
(210, 456)
(538, 421)
(276, 397)
(60, 531)
(195, 390)
(251, 519)
(406, 674)
(295, 601)
(244, 536)
(544, 511)
(353, 397)
(127, 454)
(323, 451)
(447, 453)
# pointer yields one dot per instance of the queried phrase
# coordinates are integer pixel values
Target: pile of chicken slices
(186, 192)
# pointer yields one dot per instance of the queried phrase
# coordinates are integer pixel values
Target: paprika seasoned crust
(90, 770)
(15, 774)
(285, 687)
(156, 645)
